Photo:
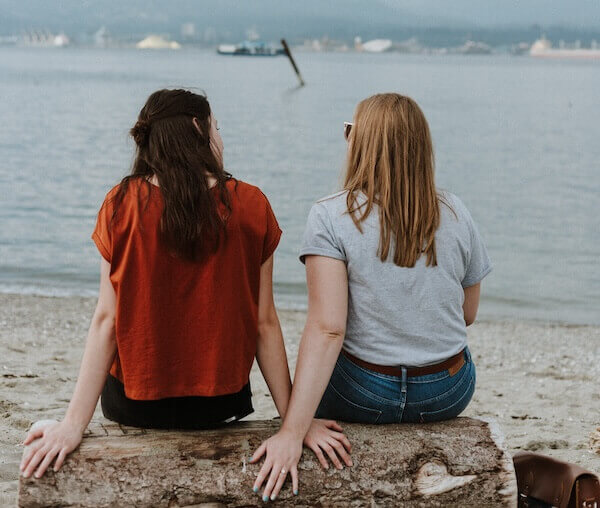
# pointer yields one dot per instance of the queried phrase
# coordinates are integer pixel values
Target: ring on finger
(283, 471)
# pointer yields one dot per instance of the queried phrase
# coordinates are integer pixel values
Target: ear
(196, 124)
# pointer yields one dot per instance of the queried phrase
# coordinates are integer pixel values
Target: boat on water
(250, 48)
(373, 46)
(157, 42)
(542, 48)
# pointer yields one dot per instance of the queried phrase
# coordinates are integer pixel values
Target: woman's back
(184, 328)
(400, 315)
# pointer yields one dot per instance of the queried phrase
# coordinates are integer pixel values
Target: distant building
(188, 31)
(101, 38)
(157, 42)
(210, 35)
(61, 40)
(475, 48)
(252, 34)
(44, 39)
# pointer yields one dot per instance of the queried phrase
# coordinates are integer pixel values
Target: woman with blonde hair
(393, 268)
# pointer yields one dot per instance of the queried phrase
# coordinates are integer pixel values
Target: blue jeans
(356, 394)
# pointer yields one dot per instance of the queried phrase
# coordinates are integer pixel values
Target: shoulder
(109, 198)
(455, 216)
(251, 202)
(334, 198)
(112, 194)
(326, 211)
(135, 187)
(246, 191)
(122, 201)
(334, 204)
(451, 204)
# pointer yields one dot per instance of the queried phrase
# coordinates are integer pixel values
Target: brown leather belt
(452, 365)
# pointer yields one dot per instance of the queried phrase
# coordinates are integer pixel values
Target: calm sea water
(517, 139)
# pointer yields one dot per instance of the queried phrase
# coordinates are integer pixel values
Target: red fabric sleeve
(102, 236)
(272, 235)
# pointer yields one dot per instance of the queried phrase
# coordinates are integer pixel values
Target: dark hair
(170, 147)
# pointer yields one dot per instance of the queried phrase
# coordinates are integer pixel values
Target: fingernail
(254, 489)
(25, 475)
(351, 463)
(273, 497)
(265, 499)
(295, 493)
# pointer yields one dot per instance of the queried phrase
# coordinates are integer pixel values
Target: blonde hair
(390, 160)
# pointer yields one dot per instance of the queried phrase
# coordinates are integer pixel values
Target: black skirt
(174, 412)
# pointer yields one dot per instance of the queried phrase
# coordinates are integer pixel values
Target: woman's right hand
(282, 452)
(55, 440)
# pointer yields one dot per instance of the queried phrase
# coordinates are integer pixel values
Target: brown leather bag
(554, 483)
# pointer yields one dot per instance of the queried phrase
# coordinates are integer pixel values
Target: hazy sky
(502, 12)
(303, 15)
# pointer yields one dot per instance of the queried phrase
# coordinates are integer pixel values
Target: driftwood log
(458, 463)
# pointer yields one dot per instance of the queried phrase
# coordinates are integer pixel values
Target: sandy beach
(539, 381)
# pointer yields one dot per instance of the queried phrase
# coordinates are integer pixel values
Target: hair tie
(141, 132)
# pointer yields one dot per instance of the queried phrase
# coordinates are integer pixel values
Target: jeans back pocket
(456, 405)
(335, 406)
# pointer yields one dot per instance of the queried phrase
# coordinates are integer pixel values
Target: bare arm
(322, 340)
(58, 440)
(270, 349)
(321, 343)
(471, 303)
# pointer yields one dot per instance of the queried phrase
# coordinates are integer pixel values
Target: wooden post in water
(289, 55)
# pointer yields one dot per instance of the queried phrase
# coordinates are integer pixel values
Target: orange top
(184, 328)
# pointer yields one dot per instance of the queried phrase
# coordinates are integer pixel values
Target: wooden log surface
(462, 462)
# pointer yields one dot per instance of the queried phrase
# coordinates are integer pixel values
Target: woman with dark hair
(393, 269)
(186, 300)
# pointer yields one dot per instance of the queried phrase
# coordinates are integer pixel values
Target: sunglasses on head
(347, 129)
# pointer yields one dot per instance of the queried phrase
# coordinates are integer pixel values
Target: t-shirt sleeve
(479, 264)
(102, 235)
(319, 237)
(272, 234)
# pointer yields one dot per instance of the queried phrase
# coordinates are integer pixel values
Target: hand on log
(283, 451)
(48, 440)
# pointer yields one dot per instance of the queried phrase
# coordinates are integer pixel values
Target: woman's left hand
(283, 452)
(327, 437)
(53, 441)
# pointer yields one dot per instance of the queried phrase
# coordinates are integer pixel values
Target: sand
(539, 381)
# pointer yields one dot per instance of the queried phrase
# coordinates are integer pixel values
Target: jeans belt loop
(404, 377)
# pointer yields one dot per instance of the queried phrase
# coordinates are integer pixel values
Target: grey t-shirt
(397, 315)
